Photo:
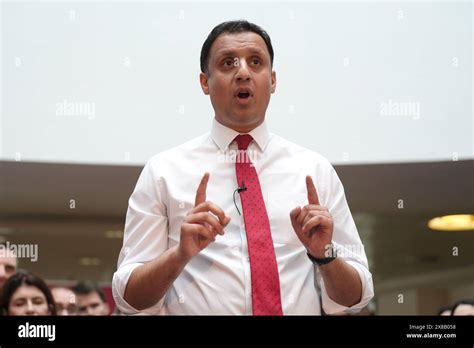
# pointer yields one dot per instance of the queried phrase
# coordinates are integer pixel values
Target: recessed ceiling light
(460, 222)
(114, 234)
(89, 261)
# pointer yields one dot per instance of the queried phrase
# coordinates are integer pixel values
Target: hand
(313, 223)
(200, 227)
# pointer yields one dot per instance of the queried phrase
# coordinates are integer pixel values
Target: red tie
(266, 299)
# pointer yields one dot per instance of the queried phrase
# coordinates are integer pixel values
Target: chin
(245, 119)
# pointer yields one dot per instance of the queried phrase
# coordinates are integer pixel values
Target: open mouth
(243, 95)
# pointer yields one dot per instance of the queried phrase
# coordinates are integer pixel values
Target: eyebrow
(231, 52)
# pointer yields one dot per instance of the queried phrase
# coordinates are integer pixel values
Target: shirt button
(235, 250)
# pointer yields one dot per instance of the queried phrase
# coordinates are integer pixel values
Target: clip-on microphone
(239, 189)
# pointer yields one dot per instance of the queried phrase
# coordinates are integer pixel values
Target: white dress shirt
(217, 280)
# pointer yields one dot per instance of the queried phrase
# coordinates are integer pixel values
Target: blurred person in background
(463, 307)
(65, 300)
(90, 299)
(444, 311)
(8, 264)
(26, 294)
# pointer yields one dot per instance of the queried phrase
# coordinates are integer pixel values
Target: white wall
(342, 68)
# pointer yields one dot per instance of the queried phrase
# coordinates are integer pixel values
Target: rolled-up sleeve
(332, 307)
(145, 234)
(347, 243)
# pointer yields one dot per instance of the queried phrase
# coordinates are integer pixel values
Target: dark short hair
(25, 278)
(441, 310)
(238, 26)
(87, 287)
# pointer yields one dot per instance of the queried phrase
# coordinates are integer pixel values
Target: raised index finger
(201, 191)
(312, 193)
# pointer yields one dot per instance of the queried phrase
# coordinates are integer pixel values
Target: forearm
(342, 282)
(150, 282)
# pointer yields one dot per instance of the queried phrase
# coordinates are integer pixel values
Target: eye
(72, 309)
(19, 303)
(10, 269)
(256, 61)
(228, 62)
(38, 301)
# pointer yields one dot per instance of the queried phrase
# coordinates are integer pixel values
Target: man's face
(91, 304)
(65, 301)
(8, 267)
(239, 80)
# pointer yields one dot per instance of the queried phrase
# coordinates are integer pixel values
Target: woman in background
(26, 294)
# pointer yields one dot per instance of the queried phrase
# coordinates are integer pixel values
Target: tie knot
(243, 141)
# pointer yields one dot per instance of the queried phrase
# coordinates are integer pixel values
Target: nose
(243, 72)
(30, 308)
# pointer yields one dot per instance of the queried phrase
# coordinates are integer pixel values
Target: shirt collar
(223, 136)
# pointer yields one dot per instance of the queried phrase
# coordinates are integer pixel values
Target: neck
(241, 128)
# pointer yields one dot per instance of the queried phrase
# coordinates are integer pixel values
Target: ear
(204, 83)
(274, 82)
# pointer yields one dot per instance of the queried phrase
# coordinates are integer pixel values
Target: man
(197, 252)
(65, 300)
(8, 264)
(90, 299)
